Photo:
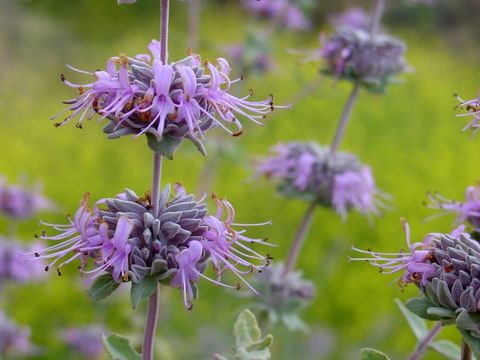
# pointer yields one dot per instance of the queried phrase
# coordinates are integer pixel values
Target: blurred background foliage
(409, 136)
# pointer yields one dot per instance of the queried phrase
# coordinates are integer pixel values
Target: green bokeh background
(409, 137)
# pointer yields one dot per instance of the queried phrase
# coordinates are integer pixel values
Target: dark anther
(62, 77)
(238, 133)
(47, 268)
(37, 254)
(58, 272)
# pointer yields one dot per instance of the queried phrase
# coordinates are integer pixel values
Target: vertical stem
(150, 326)
(422, 345)
(342, 124)
(466, 351)
(157, 176)
(299, 238)
(377, 15)
(152, 314)
(193, 23)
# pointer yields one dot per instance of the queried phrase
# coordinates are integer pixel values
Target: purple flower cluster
(21, 203)
(354, 18)
(472, 108)
(284, 12)
(86, 341)
(123, 236)
(446, 267)
(308, 171)
(168, 102)
(253, 56)
(13, 266)
(14, 340)
(467, 211)
(357, 55)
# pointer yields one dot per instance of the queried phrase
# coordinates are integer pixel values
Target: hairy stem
(152, 314)
(299, 239)
(150, 326)
(422, 345)
(342, 124)
(466, 351)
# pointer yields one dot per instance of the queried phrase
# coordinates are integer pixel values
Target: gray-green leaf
(419, 306)
(446, 348)
(471, 341)
(102, 287)
(372, 354)
(165, 147)
(142, 290)
(417, 324)
(249, 344)
(119, 348)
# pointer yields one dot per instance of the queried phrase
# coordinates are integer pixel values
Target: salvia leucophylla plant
(472, 108)
(160, 237)
(285, 13)
(308, 171)
(284, 295)
(19, 202)
(446, 269)
(467, 211)
(126, 239)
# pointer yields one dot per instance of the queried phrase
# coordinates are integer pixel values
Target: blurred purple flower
(124, 237)
(14, 340)
(352, 18)
(467, 211)
(283, 12)
(165, 101)
(308, 171)
(14, 267)
(86, 341)
(252, 56)
(472, 108)
(416, 263)
(20, 203)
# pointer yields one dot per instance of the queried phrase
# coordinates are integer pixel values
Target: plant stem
(377, 15)
(152, 314)
(299, 238)
(193, 23)
(342, 124)
(466, 351)
(422, 345)
(150, 326)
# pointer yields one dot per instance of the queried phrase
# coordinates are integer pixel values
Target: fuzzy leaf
(417, 324)
(165, 147)
(119, 348)
(419, 306)
(249, 344)
(446, 348)
(372, 354)
(102, 287)
(142, 290)
(440, 312)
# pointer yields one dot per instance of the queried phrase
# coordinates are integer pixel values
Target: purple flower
(165, 101)
(13, 266)
(283, 12)
(21, 203)
(14, 340)
(308, 171)
(352, 18)
(467, 211)
(472, 108)
(355, 189)
(124, 237)
(86, 341)
(416, 263)
(354, 54)
(251, 56)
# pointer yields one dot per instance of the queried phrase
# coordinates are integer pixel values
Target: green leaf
(102, 287)
(471, 341)
(419, 306)
(165, 147)
(142, 290)
(249, 344)
(417, 324)
(447, 348)
(119, 348)
(372, 354)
